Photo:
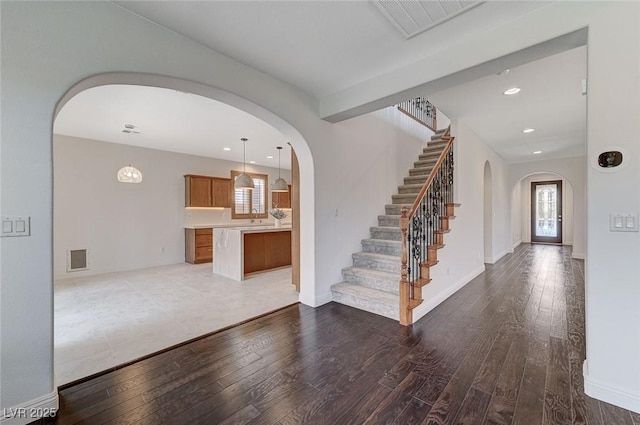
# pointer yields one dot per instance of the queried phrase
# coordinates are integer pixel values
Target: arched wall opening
(298, 143)
(306, 177)
(521, 208)
(488, 214)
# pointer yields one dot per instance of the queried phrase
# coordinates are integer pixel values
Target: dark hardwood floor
(506, 349)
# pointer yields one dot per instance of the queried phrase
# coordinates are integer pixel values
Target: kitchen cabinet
(266, 250)
(240, 251)
(206, 191)
(221, 190)
(198, 245)
(281, 199)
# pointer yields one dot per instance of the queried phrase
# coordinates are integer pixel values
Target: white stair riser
(415, 179)
(367, 305)
(379, 247)
(406, 198)
(392, 286)
(409, 189)
(394, 209)
(389, 221)
(420, 171)
(376, 264)
(392, 234)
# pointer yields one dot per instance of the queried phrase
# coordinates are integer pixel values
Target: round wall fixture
(610, 160)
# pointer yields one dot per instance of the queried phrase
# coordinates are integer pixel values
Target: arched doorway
(522, 214)
(305, 209)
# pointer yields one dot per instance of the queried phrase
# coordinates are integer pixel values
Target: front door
(546, 211)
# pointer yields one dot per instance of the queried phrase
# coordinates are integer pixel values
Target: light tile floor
(106, 320)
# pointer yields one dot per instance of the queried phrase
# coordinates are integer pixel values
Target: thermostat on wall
(610, 159)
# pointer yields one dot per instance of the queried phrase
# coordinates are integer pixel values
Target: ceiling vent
(412, 17)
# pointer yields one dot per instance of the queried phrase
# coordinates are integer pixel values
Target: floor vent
(77, 259)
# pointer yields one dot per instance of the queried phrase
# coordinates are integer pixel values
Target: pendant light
(129, 174)
(244, 181)
(280, 185)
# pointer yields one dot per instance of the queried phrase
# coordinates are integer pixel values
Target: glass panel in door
(546, 212)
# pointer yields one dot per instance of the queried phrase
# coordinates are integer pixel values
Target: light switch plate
(620, 222)
(16, 226)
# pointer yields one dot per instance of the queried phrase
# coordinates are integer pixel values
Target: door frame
(546, 239)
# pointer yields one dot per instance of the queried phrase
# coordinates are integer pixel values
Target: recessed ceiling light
(269, 156)
(252, 162)
(528, 130)
(503, 72)
(226, 149)
(537, 152)
(511, 91)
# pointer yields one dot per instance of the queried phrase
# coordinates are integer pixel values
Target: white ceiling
(324, 47)
(550, 101)
(172, 121)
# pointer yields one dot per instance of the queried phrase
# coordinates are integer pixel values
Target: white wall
(348, 171)
(572, 172)
(525, 206)
(128, 226)
(463, 256)
(487, 214)
(612, 370)
(48, 47)
(516, 215)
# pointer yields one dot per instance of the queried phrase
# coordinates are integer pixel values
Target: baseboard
(96, 272)
(577, 255)
(515, 245)
(432, 303)
(497, 257)
(317, 301)
(596, 389)
(31, 411)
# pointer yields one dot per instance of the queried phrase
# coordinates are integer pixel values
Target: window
(247, 202)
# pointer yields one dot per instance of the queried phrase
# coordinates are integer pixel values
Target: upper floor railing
(421, 110)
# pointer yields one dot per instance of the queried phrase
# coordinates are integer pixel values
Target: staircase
(373, 282)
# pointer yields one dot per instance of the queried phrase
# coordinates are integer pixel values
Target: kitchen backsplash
(205, 216)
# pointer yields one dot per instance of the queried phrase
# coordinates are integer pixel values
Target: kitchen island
(239, 251)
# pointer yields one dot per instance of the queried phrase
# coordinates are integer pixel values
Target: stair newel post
(405, 311)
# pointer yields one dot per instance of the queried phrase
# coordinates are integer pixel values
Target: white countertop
(236, 226)
(261, 229)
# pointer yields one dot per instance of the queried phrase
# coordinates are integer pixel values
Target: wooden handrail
(433, 202)
(432, 175)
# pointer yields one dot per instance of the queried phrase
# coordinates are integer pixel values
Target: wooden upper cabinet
(281, 199)
(205, 191)
(197, 191)
(221, 190)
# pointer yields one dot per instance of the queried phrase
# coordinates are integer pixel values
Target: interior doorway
(139, 297)
(546, 212)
